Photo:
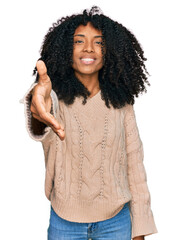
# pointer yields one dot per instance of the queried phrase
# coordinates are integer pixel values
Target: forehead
(88, 29)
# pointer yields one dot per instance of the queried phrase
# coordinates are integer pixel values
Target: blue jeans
(116, 228)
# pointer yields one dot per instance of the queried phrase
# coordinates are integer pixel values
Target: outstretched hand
(41, 101)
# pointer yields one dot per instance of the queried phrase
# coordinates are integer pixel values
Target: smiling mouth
(87, 60)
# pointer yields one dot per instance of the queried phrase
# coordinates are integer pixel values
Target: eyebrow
(81, 35)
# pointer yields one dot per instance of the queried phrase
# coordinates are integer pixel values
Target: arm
(140, 206)
(41, 108)
(38, 130)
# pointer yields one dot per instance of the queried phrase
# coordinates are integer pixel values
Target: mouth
(87, 61)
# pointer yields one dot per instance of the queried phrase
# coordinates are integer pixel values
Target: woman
(81, 109)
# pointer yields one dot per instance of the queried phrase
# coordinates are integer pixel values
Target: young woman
(81, 108)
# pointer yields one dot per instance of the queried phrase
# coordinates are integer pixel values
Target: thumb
(42, 71)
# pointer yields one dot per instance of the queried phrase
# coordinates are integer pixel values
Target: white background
(24, 209)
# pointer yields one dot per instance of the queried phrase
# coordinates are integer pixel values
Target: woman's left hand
(139, 238)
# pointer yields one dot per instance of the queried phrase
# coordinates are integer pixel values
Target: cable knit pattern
(98, 167)
(140, 204)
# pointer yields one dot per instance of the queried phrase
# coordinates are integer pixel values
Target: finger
(34, 107)
(56, 126)
(43, 114)
(38, 118)
(39, 106)
(52, 122)
(59, 132)
(42, 71)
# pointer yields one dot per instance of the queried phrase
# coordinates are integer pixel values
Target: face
(87, 50)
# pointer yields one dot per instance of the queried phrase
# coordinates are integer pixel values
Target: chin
(88, 70)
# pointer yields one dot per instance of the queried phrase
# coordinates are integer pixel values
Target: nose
(88, 47)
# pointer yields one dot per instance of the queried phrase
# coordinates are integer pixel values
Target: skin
(87, 44)
(41, 101)
(139, 238)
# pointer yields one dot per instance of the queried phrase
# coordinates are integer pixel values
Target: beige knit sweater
(98, 167)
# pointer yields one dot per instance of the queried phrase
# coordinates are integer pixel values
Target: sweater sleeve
(36, 129)
(140, 204)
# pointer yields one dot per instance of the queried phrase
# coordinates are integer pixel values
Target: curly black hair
(123, 75)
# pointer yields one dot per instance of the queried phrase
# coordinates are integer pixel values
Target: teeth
(87, 59)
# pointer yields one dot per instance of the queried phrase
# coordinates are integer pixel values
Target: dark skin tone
(87, 61)
(139, 238)
(87, 56)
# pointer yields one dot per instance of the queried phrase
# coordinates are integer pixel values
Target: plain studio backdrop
(24, 209)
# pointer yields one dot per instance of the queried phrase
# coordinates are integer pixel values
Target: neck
(90, 81)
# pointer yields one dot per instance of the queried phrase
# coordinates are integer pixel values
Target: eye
(78, 41)
(99, 43)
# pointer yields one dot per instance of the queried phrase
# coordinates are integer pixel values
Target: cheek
(74, 54)
(75, 57)
(75, 62)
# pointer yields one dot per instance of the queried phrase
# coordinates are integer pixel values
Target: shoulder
(128, 108)
(129, 114)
